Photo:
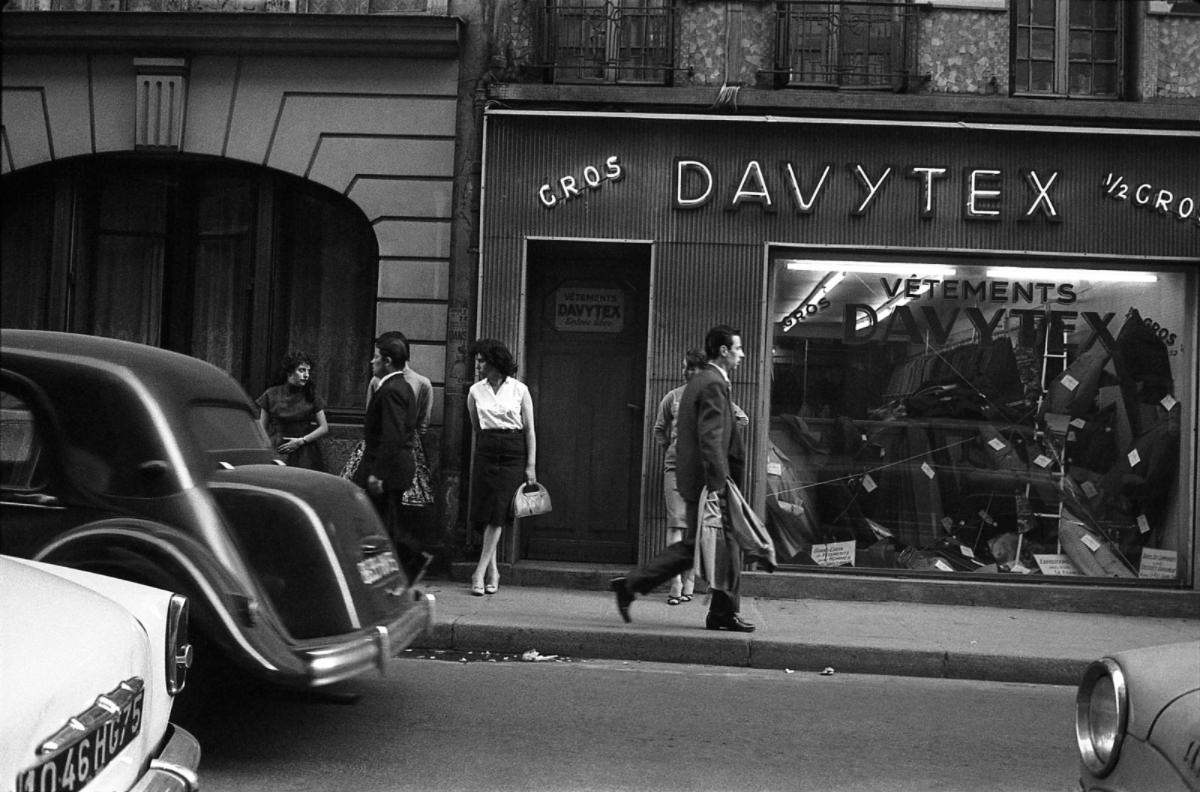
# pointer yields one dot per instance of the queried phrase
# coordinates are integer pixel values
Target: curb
(740, 650)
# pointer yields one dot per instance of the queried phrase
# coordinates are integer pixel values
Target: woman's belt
(503, 431)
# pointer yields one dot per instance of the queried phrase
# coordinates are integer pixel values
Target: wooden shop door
(585, 364)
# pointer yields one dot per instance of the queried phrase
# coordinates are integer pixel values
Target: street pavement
(798, 635)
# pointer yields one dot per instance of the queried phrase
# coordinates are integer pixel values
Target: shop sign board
(589, 310)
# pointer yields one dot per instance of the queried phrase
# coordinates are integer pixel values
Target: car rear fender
(236, 616)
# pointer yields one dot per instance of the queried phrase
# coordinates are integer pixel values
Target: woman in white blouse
(505, 452)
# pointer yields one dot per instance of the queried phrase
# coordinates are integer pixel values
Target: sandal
(686, 598)
(673, 600)
(476, 589)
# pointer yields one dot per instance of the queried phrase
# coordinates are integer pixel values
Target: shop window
(954, 418)
(1070, 48)
(865, 44)
(609, 41)
(231, 264)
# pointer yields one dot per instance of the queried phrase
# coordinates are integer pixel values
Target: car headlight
(1101, 712)
(179, 650)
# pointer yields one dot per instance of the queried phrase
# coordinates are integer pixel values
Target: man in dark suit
(389, 432)
(708, 451)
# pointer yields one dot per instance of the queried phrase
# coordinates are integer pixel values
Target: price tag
(1078, 423)
(997, 444)
(1020, 568)
(1168, 402)
(1143, 524)
(1071, 437)
(1134, 457)
(1161, 564)
(927, 469)
(942, 565)
(1042, 461)
(869, 483)
(1089, 489)
(968, 552)
(1069, 382)
(1092, 542)
(774, 469)
(1059, 564)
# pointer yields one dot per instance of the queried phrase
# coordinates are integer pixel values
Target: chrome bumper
(175, 767)
(333, 662)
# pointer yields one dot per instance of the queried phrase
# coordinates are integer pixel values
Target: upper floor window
(610, 41)
(1067, 47)
(864, 44)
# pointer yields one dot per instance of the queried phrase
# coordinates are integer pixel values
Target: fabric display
(1090, 551)
(961, 469)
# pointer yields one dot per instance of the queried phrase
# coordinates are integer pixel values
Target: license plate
(377, 567)
(77, 763)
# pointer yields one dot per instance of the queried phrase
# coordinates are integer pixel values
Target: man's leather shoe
(624, 597)
(731, 622)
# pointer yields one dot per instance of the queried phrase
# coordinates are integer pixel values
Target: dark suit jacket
(709, 448)
(389, 429)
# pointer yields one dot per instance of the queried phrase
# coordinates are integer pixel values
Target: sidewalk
(801, 635)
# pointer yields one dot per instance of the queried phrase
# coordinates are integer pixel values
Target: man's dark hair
(395, 349)
(721, 335)
(390, 334)
(694, 359)
(495, 354)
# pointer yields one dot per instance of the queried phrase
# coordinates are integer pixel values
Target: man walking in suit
(389, 432)
(709, 449)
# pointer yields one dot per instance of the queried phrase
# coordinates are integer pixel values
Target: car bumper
(1141, 766)
(175, 767)
(328, 663)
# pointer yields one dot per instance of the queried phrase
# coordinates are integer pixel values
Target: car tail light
(1101, 713)
(179, 650)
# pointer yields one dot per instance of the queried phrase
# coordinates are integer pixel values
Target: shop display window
(974, 418)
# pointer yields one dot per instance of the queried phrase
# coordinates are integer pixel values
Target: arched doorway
(228, 262)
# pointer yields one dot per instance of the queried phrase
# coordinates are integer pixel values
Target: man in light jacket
(709, 450)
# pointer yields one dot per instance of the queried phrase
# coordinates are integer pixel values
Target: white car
(1137, 721)
(89, 669)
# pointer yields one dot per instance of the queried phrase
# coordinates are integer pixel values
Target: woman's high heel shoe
(476, 589)
(491, 588)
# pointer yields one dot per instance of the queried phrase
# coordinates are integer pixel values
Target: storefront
(971, 349)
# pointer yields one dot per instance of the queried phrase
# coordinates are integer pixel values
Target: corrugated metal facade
(710, 264)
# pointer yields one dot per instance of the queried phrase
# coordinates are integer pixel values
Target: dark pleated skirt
(496, 472)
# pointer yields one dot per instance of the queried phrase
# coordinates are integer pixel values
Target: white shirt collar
(388, 376)
(722, 371)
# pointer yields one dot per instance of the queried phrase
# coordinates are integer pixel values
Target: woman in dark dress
(293, 415)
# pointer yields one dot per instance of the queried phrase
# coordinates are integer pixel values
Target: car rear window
(229, 433)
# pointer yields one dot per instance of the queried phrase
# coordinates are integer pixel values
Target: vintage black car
(149, 465)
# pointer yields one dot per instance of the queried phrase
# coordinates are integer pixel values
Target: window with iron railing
(859, 44)
(1067, 48)
(609, 41)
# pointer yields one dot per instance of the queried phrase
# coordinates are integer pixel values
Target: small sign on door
(589, 310)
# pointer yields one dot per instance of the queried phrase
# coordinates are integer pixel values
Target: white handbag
(531, 499)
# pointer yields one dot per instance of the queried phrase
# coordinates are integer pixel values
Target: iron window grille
(609, 41)
(1068, 48)
(857, 44)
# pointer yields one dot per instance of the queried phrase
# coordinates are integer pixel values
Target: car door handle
(32, 498)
